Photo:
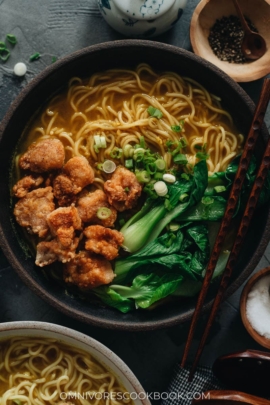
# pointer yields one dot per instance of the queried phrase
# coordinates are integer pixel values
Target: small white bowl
(78, 340)
(141, 18)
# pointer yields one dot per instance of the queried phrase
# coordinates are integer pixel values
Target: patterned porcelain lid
(144, 9)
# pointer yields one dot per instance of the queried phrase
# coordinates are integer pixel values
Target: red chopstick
(252, 137)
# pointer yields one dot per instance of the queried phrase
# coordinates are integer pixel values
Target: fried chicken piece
(89, 204)
(88, 271)
(63, 222)
(103, 241)
(76, 174)
(23, 186)
(31, 211)
(43, 156)
(52, 251)
(123, 189)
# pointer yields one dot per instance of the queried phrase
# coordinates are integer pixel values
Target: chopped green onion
(35, 56)
(142, 142)
(219, 189)
(138, 154)
(100, 166)
(207, 200)
(11, 39)
(128, 150)
(126, 189)
(143, 176)
(129, 163)
(185, 176)
(4, 54)
(158, 176)
(169, 178)
(108, 166)
(180, 159)
(160, 164)
(154, 112)
(161, 188)
(116, 153)
(54, 59)
(104, 213)
(202, 156)
(100, 143)
(17, 401)
(2, 46)
(151, 168)
(184, 197)
(174, 227)
(176, 128)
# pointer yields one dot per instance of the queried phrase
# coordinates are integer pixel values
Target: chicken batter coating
(63, 222)
(88, 271)
(31, 211)
(123, 189)
(88, 206)
(76, 174)
(103, 241)
(52, 251)
(23, 186)
(43, 156)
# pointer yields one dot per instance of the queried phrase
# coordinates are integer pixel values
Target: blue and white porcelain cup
(141, 18)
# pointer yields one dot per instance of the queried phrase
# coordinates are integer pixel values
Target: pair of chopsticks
(245, 159)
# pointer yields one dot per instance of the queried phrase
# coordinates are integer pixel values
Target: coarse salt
(258, 307)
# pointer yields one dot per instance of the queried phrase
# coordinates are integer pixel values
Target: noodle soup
(45, 371)
(107, 168)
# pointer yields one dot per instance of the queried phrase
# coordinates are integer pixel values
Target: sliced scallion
(129, 163)
(35, 56)
(128, 151)
(116, 153)
(143, 176)
(2, 46)
(11, 39)
(4, 54)
(104, 213)
(154, 112)
(108, 166)
(180, 159)
(184, 197)
(219, 189)
(161, 165)
(161, 188)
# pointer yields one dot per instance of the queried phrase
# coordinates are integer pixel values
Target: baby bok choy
(155, 215)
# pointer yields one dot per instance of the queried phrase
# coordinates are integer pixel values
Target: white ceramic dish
(76, 339)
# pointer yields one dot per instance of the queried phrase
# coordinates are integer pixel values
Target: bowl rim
(45, 294)
(263, 341)
(32, 329)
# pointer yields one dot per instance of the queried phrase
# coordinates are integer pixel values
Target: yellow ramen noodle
(114, 104)
(39, 371)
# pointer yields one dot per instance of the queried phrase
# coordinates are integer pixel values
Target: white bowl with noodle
(42, 363)
(91, 63)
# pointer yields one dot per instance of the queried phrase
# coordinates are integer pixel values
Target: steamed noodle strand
(114, 104)
(42, 372)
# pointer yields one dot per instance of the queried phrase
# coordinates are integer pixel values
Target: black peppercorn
(225, 39)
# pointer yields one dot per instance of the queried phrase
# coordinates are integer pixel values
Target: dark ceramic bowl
(126, 53)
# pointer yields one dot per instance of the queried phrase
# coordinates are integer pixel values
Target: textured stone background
(56, 28)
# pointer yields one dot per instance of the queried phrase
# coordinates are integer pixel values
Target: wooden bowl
(204, 17)
(263, 341)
